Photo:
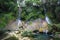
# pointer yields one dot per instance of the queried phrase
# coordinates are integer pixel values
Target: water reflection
(41, 36)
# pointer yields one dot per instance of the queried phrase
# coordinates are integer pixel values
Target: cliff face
(14, 25)
(37, 24)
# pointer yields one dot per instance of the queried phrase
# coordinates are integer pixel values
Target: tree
(8, 11)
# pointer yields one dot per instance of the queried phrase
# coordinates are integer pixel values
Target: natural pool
(42, 36)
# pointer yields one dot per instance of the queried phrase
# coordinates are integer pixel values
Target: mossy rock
(27, 34)
(12, 38)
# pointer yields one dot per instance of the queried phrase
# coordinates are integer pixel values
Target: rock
(16, 32)
(14, 26)
(36, 25)
(25, 38)
(51, 39)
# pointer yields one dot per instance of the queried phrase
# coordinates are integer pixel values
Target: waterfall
(19, 13)
(47, 20)
(46, 17)
(58, 2)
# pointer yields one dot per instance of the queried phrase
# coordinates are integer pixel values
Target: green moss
(27, 34)
(12, 38)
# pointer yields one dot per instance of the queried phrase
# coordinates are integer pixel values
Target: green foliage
(53, 11)
(12, 38)
(58, 27)
(34, 1)
(37, 11)
(30, 23)
(3, 34)
(49, 27)
(8, 11)
(27, 34)
(31, 13)
(5, 19)
(54, 1)
(7, 5)
(57, 9)
(56, 38)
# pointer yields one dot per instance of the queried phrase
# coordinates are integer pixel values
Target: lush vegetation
(8, 11)
(33, 9)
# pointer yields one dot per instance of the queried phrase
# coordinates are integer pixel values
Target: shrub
(56, 38)
(27, 34)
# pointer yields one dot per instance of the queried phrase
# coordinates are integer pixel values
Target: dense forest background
(9, 11)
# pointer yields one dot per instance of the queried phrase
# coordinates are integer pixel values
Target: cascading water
(19, 12)
(47, 19)
(21, 3)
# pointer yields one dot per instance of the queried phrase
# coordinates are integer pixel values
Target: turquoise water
(41, 37)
